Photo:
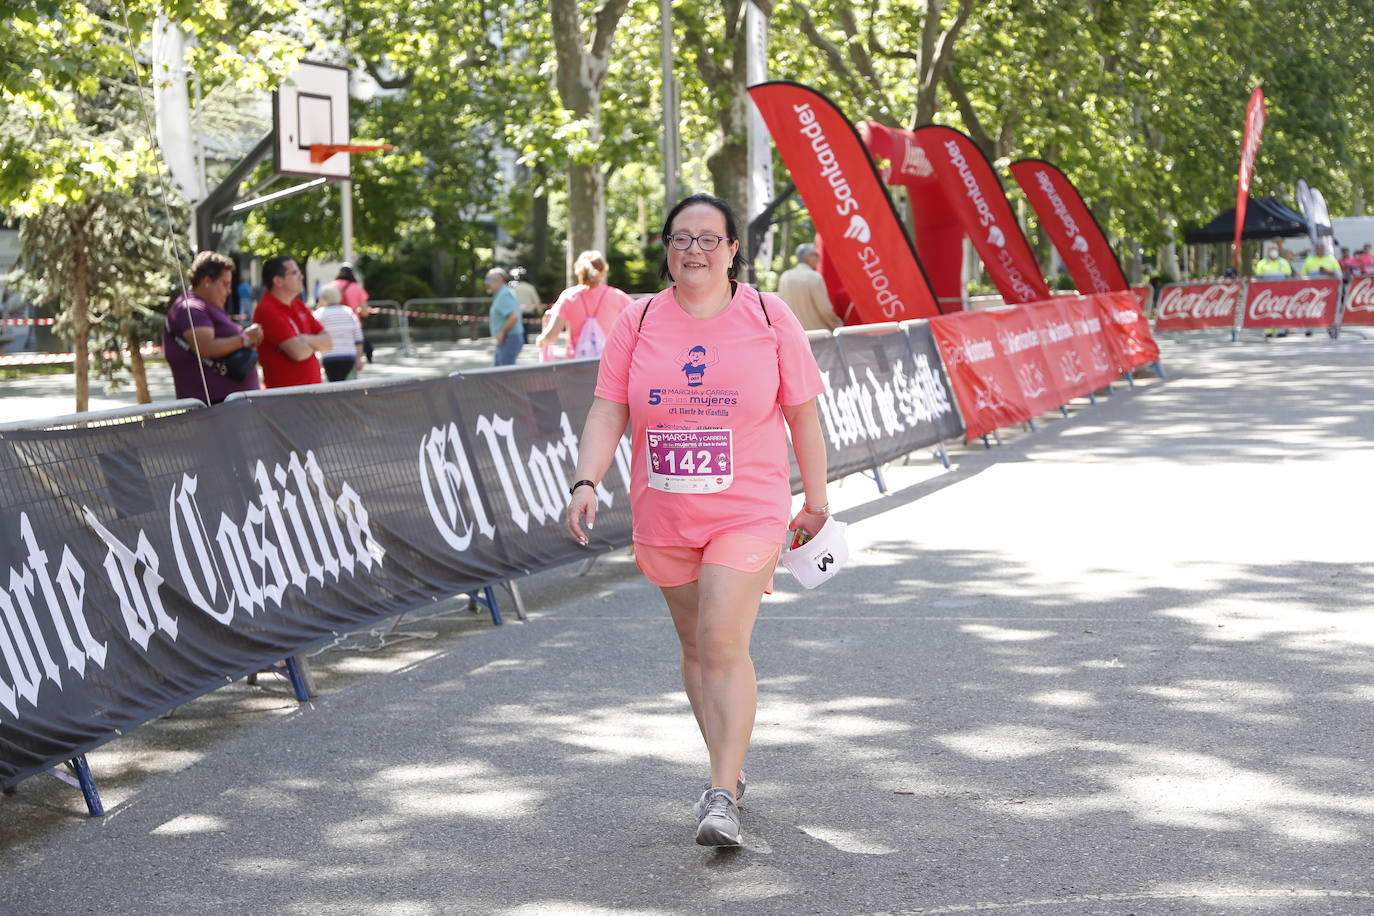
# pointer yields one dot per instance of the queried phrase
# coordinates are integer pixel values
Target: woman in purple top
(199, 334)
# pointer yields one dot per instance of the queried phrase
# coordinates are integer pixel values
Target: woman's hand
(581, 508)
(810, 522)
(253, 334)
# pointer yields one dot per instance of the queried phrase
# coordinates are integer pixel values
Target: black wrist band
(581, 483)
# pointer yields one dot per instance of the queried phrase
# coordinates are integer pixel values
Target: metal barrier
(109, 417)
(357, 384)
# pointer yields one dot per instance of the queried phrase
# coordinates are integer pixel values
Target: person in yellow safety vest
(1321, 263)
(1272, 266)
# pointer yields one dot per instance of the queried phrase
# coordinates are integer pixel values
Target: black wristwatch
(581, 483)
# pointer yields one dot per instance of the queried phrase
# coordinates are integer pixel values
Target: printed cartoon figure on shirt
(695, 363)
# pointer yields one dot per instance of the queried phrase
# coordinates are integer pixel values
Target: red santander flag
(1249, 146)
(1071, 226)
(972, 187)
(935, 223)
(847, 202)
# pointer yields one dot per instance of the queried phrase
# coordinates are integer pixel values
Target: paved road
(1118, 666)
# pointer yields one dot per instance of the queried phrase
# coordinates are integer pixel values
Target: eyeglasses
(708, 241)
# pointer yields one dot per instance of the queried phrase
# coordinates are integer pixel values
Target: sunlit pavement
(1121, 665)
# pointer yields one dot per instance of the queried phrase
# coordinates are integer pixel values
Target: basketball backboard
(310, 108)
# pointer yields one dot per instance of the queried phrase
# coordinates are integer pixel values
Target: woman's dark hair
(209, 265)
(731, 230)
(346, 273)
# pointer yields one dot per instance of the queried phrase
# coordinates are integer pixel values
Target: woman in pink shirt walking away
(709, 493)
(588, 310)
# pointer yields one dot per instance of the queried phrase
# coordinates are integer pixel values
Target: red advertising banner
(1309, 303)
(1145, 295)
(1125, 318)
(1018, 342)
(1359, 302)
(985, 386)
(1064, 348)
(1070, 225)
(971, 185)
(1191, 306)
(1094, 339)
(847, 203)
(1249, 146)
(935, 223)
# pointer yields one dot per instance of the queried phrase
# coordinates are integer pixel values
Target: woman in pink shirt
(589, 309)
(706, 374)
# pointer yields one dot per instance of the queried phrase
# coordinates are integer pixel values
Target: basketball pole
(346, 217)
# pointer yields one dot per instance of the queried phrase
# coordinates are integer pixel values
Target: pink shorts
(668, 567)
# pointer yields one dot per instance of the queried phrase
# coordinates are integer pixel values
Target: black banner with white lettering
(907, 404)
(151, 562)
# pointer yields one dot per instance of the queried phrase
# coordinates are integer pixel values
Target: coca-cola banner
(1307, 303)
(1070, 225)
(1193, 306)
(847, 203)
(152, 562)
(1359, 302)
(936, 225)
(972, 186)
(984, 382)
(1249, 147)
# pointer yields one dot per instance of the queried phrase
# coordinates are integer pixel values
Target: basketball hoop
(319, 152)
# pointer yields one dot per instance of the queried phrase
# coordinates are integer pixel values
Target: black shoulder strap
(646, 311)
(763, 308)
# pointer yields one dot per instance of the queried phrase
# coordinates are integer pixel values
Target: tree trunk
(136, 366)
(579, 75)
(81, 319)
(728, 161)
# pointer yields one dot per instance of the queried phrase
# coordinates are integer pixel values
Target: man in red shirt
(291, 336)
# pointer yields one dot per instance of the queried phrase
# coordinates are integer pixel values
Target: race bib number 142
(690, 460)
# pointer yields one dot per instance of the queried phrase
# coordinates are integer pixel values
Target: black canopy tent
(1265, 218)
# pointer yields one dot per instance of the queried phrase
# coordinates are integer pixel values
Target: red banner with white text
(1070, 225)
(1359, 302)
(1249, 147)
(1309, 303)
(984, 384)
(1194, 306)
(1018, 343)
(1134, 341)
(1010, 364)
(935, 223)
(972, 187)
(1145, 295)
(1064, 350)
(847, 203)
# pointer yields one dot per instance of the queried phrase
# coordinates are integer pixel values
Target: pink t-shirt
(578, 303)
(729, 372)
(352, 294)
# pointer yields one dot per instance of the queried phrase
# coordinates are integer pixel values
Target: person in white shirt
(803, 289)
(344, 330)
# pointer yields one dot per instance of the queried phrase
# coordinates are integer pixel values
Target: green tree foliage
(77, 158)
